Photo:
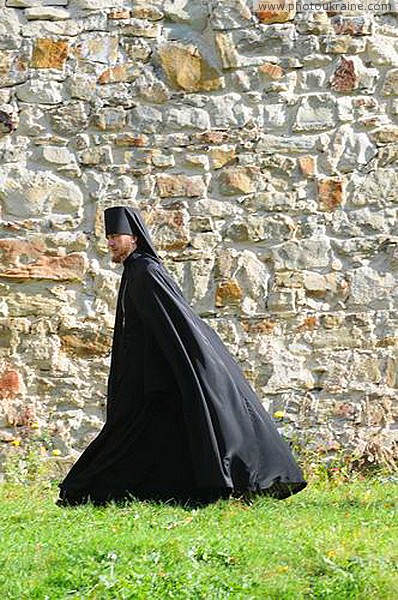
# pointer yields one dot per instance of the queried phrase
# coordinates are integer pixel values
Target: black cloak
(182, 421)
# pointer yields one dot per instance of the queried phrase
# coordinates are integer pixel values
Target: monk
(182, 422)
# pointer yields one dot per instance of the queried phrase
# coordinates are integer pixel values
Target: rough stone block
(98, 4)
(187, 12)
(37, 91)
(239, 180)
(24, 260)
(222, 155)
(350, 149)
(229, 56)
(390, 87)
(275, 116)
(142, 29)
(270, 229)
(58, 155)
(99, 48)
(319, 285)
(368, 287)
(70, 118)
(146, 119)
(271, 70)
(49, 54)
(84, 343)
(150, 88)
(378, 187)
(392, 372)
(130, 139)
(45, 28)
(231, 14)
(228, 293)
(179, 185)
(228, 111)
(163, 160)
(385, 135)
(10, 383)
(381, 51)
(187, 69)
(31, 3)
(272, 144)
(126, 72)
(13, 67)
(352, 25)
(191, 118)
(170, 227)
(12, 150)
(260, 44)
(34, 194)
(201, 292)
(307, 165)
(82, 86)
(110, 119)
(316, 113)
(343, 44)
(97, 155)
(8, 121)
(9, 30)
(151, 13)
(273, 200)
(316, 23)
(330, 194)
(136, 49)
(21, 3)
(253, 276)
(46, 13)
(5, 334)
(282, 301)
(237, 231)
(303, 254)
(312, 80)
(344, 78)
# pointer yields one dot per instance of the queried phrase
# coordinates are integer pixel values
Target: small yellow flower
(35, 426)
(16, 442)
(56, 452)
(279, 414)
(282, 569)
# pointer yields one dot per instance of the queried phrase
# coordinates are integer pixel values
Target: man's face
(121, 245)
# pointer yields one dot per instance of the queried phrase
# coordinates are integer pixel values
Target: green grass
(329, 541)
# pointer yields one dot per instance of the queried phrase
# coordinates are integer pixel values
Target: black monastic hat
(123, 219)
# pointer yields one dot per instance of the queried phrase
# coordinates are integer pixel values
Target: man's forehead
(119, 235)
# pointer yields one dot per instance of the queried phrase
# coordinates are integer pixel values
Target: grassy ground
(329, 541)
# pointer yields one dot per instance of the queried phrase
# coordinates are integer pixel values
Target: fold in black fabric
(182, 421)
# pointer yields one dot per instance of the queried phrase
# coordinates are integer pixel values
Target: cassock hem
(279, 490)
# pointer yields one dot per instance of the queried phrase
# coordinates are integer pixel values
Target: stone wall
(261, 150)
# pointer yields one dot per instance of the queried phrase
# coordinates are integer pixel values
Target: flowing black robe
(182, 421)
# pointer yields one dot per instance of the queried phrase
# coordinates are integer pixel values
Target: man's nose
(111, 243)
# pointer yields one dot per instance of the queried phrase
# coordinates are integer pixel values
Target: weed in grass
(29, 459)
